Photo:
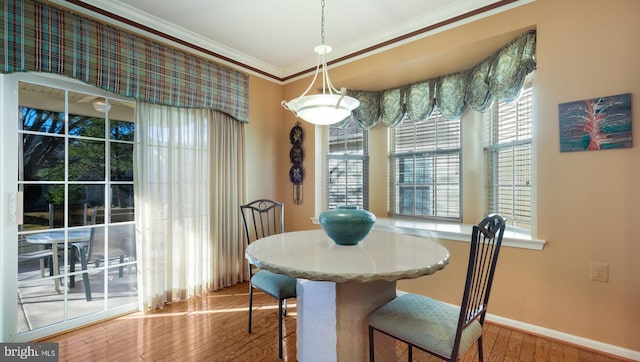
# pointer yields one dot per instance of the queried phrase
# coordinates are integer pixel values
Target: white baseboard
(565, 337)
(561, 336)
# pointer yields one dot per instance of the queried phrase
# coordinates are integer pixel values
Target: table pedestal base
(332, 320)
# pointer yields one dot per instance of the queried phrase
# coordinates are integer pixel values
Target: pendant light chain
(330, 106)
(322, 23)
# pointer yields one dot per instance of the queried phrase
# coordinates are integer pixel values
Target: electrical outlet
(599, 271)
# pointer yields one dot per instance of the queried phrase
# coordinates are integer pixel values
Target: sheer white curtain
(185, 198)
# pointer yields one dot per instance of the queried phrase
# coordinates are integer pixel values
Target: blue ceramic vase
(347, 224)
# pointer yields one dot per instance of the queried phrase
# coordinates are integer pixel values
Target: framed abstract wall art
(596, 124)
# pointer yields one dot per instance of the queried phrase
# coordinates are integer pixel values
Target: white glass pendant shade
(332, 106)
(322, 109)
(101, 106)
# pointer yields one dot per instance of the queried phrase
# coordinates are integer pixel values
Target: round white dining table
(339, 286)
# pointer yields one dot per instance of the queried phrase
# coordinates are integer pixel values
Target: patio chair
(41, 254)
(262, 218)
(438, 328)
(121, 245)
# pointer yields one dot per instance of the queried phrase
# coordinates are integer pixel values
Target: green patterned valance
(37, 37)
(498, 77)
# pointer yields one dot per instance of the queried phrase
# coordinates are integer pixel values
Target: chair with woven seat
(263, 218)
(438, 328)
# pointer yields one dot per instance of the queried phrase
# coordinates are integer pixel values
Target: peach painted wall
(588, 203)
(263, 135)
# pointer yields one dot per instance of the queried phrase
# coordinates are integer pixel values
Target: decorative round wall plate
(296, 174)
(296, 135)
(296, 154)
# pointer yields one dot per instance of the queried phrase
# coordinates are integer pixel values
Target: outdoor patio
(39, 304)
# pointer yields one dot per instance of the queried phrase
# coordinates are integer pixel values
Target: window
(425, 168)
(347, 165)
(507, 149)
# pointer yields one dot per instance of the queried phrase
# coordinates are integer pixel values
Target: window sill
(450, 231)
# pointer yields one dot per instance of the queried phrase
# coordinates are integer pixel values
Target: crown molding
(440, 15)
(360, 50)
(132, 19)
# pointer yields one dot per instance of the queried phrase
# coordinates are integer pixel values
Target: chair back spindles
(483, 255)
(264, 217)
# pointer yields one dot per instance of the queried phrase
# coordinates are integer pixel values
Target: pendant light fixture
(332, 106)
(101, 105)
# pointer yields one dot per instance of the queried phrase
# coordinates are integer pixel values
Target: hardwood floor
(214, 328)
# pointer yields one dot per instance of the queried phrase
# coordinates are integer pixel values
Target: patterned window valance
(41, 38)
(498, 77)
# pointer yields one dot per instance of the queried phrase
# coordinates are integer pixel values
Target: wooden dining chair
(438, 328)
(263, 218)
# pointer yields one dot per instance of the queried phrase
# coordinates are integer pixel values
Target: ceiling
(275, 38)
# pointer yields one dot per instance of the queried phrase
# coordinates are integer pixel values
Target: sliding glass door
(72, 207)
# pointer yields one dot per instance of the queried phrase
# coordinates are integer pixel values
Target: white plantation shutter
(507, 147)
(347, 166)
(425, 168)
